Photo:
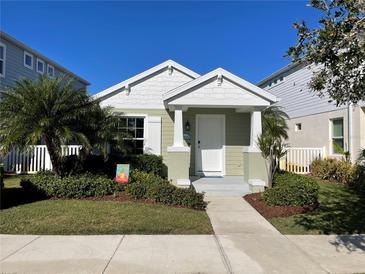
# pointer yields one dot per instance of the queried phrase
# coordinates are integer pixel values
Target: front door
(210, 135)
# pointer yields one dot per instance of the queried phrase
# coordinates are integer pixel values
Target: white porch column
(256, 129)
(178, 128)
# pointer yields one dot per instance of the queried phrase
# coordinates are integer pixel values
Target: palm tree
(270, 142)
(48, 109)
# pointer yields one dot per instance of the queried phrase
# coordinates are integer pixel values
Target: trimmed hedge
(78, 186)
(292, 190)
(149, 186)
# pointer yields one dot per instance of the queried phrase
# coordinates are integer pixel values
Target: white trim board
(220, 74)
(169, 64)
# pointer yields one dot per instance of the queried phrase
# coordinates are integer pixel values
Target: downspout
(349, 128)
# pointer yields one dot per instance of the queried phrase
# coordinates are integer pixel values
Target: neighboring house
(20, 61)
(314, 121)
(202, 125)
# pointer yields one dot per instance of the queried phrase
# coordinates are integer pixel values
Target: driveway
(244, 243)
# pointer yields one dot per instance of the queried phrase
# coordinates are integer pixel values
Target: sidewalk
(244, 243)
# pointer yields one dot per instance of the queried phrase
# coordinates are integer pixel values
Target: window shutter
(153, 142)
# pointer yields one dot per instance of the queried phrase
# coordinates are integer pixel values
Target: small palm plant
(270, 142)
(48, 109)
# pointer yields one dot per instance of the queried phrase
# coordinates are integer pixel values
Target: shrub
(148, 163)
(324, 169)
(77, 186)
(341, 171)
(292, 190)
(150, 186)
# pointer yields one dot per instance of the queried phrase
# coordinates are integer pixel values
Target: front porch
(216, 124)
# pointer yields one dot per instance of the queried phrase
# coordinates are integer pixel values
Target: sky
(108, 42)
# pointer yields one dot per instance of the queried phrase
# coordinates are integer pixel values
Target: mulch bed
(256, 201)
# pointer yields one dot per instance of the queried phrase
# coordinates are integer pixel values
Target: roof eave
(41, 56)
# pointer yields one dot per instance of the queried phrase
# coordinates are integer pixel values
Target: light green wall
(254, 166)
(167, 125)
(178, 166)
(237, 134)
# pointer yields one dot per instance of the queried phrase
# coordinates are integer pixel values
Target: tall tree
(337, 48)
(48, 109)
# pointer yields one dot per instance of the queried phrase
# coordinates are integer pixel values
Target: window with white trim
(50, 70)
(276, 82)
(133, 130)
(2, 59)
(298, 126)
(28, 60)
(337, 138)
(40, 66)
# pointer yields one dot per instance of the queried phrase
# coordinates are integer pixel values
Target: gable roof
(145, 74)
(19, 44)
(220, 72)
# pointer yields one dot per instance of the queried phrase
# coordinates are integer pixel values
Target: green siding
(167, 125)
(237, 134)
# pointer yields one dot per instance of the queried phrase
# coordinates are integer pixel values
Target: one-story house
(202, 125)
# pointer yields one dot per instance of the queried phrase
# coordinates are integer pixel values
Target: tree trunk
(53, 154)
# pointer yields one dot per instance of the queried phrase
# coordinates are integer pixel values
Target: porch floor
(227, 186)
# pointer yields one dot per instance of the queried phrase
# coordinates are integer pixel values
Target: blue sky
(107, 42)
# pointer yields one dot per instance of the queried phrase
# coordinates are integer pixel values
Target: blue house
(17, 61)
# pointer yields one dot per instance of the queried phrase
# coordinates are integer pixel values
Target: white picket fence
(299, 159)
(34, 159)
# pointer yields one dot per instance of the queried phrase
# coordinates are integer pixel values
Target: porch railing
(299, 159)
(33, 159)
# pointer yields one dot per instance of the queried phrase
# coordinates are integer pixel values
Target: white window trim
(50, 66)
(4, 59)
(44, 66)
(279, 82)
(337, 137)
(296, 128)
(31, 55)
(145, 127)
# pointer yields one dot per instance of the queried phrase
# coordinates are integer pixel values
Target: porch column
(178, 128)
(256, 129)
(254, 167)
(178, 155)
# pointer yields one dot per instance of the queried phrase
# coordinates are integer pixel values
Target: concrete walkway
(244, 243)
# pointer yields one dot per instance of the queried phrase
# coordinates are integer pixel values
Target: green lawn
(27, 215)
(341, 211)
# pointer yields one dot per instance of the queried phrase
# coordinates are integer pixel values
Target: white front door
(210, 135)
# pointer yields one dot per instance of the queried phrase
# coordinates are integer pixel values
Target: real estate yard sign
(122, 175)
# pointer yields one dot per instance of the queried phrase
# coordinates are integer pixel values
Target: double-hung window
(50, 70)
(28, 60)
(40, 66)
(132, 129)
(2, 59)
(337, 137)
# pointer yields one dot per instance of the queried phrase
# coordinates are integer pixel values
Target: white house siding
(358, 130)
(224, 94)
(313, 112)
(316, 130)
(148, 92)
(295, 95)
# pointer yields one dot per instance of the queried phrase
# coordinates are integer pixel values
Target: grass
(65, 217)
(341, 211)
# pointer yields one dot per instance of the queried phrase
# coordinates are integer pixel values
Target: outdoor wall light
(187, 126)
